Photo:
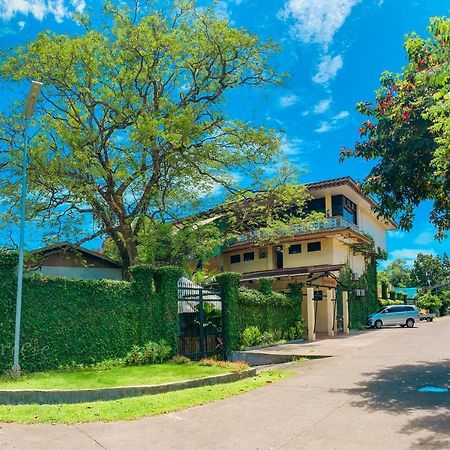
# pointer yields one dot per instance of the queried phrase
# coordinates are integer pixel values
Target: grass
(115, 376)
(136, 407)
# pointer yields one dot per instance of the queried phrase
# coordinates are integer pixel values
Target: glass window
(296, 248)
(235, 259)
(314, 246)
(250, 256)
(316, 204)
(342, 206)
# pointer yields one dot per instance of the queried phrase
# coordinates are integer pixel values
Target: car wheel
(429, 319)
(378, 324)
(410, 323)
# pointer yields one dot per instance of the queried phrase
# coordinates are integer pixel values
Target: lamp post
(35, 89)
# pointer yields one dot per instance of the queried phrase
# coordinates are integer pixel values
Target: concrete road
(365, 397)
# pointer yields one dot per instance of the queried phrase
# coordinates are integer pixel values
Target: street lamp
(35, 89)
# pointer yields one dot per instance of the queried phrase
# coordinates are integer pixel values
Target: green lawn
(116, 376)
(136, 407)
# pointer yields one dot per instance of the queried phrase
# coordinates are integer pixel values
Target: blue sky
(334, 51)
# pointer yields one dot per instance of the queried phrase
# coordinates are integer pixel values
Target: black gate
(200, 312)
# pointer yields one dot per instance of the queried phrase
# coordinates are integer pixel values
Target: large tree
(132, 126)
(408, 132)
(398, 273)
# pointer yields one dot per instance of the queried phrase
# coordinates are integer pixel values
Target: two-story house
(308, 256)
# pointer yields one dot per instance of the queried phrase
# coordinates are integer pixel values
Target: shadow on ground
(394, 389)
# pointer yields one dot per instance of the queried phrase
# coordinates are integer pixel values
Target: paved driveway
(365, 397)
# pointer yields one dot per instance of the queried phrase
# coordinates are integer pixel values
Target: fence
(201, 321)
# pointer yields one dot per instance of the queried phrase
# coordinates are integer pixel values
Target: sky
(334, 52)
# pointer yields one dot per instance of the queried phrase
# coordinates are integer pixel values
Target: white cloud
(290, 147)
(396, 234)
(316, 20)
(21, 24)
(341, 116)
(323, 128)
(39, 9)
(288, 100)
(328, 68)
(333, 124)
(322, 106)
(424, 238)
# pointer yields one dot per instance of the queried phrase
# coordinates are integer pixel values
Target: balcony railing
(328, 223)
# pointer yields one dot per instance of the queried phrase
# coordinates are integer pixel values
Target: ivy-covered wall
(269, 311)
(359, 307)
(67, 321)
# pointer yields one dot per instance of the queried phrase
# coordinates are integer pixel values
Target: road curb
(57, 396)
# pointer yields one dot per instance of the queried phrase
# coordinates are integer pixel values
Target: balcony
(328, 223)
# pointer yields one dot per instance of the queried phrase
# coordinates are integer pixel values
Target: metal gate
(200, 312)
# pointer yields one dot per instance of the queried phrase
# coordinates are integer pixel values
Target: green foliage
(265, 285)
(273, 314)
(408, 131)
(229, 283)
(398, 274)
(428, 271)
(132, 120)
(149, 353)
(251, 336)
(384, 302)
(359, 307)
(445, 299)
(430, 302)
(67, 322)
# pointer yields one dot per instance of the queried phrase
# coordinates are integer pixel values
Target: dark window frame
(247, 256)
(237, 259)
(291, 249)
(311, 246)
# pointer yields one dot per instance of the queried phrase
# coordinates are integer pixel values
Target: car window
(409, 308)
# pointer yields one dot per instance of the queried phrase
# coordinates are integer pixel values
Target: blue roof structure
(410, 292)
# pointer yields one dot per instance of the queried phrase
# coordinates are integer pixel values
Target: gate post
(345, 314)
(201, 317)
(310, 314)
(330, 312)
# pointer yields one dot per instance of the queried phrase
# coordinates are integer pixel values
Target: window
(342, 206)
(235, 259)
(263, 254)
(314, 246)
(316, 204)
(294, 249)
(250, 256)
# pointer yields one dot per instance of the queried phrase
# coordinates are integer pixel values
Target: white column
(330, 312)
(345, 312)
(310, 313)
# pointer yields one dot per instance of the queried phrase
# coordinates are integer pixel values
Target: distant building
(71, 261)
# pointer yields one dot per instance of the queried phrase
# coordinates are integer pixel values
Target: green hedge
(359, 307)
(67, 321)
(267, 310)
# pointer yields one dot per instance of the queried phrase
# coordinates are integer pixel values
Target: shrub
(181, 359)
(251, 336)
(265, 285)
(236, 367)
(297, 331)
(430, 302)
(150, 353)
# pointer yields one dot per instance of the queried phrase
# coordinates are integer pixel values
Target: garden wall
(67, 321)
(267, 310)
